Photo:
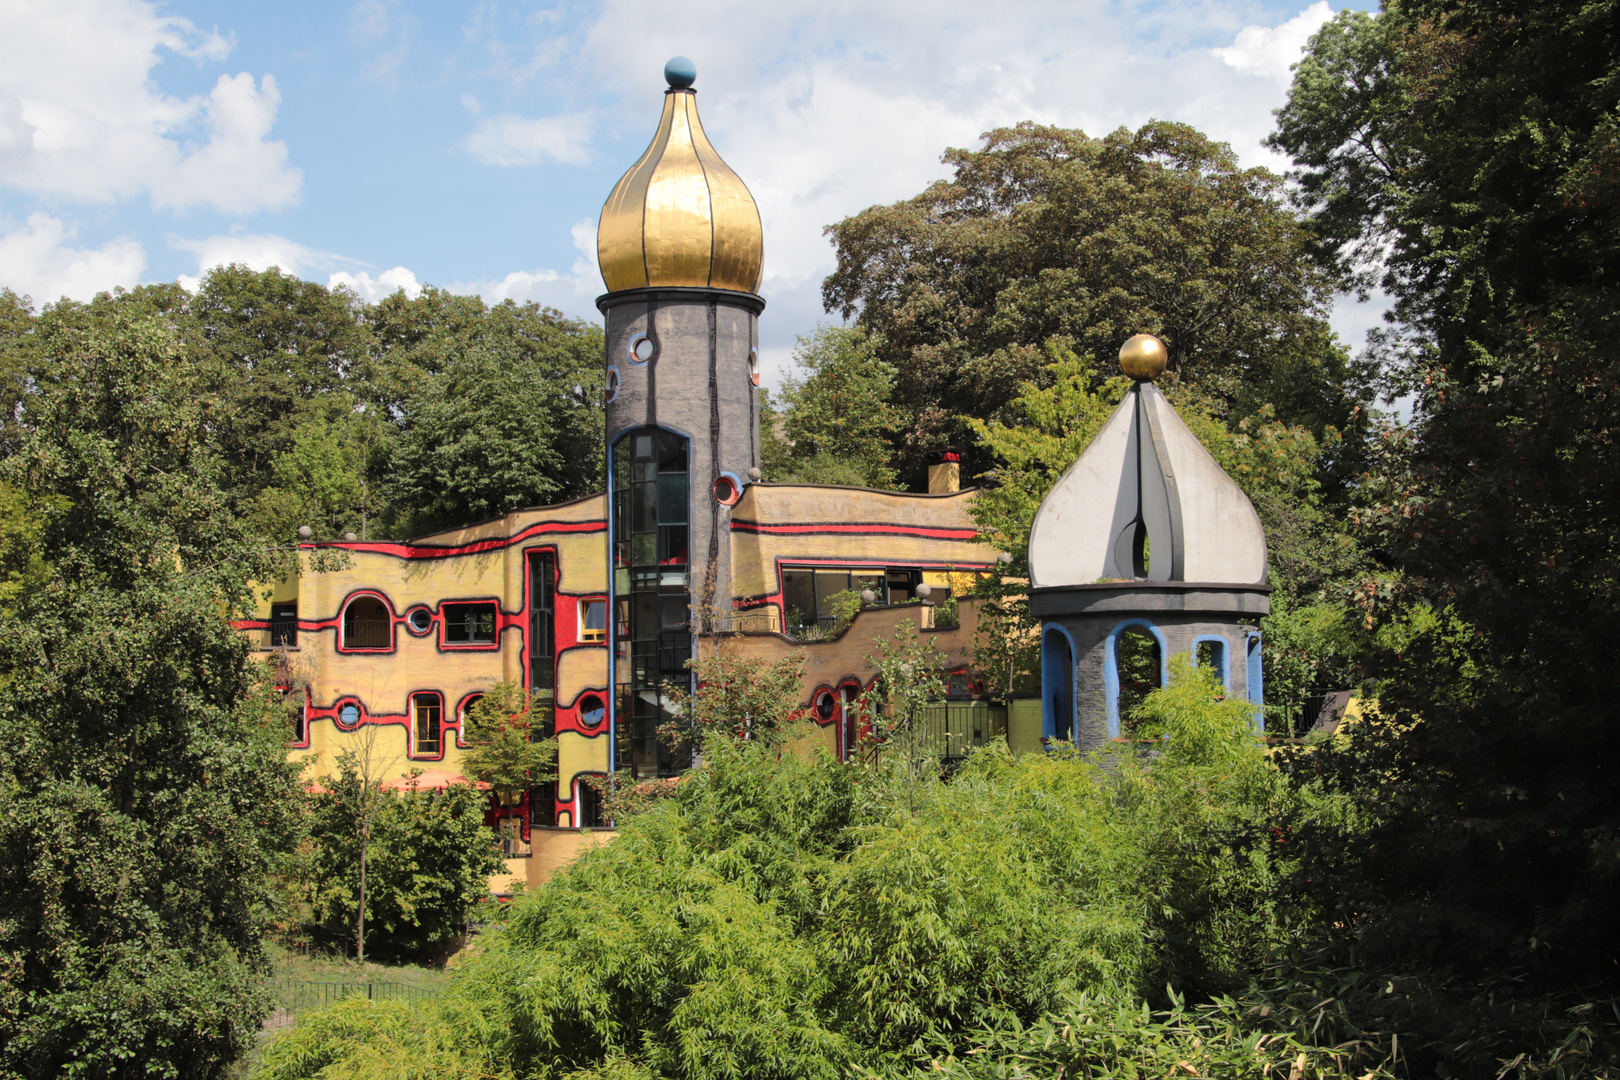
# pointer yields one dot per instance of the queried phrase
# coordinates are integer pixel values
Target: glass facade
(652, 634)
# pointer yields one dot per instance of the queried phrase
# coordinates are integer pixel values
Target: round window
(611, 390)
(726, 492)
(641, 349)
(348, 715)
(421, 619)
(825, 705)
(591, 710)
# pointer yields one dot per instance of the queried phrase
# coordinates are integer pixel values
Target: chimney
(944, 472)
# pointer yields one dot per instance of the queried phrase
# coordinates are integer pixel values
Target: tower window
(641, 349)
(726, 492)
(469, 624)
(427, 725)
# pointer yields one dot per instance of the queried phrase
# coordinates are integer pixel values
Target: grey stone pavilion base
(1081, 623)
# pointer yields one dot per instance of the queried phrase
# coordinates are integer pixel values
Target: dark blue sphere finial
(680, 73)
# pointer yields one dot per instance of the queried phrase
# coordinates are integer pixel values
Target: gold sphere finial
(1143, 357)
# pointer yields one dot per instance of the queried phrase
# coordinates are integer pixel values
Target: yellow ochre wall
(774, 525)
(480, 562)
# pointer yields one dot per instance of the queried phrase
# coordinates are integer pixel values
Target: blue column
(1255, 676)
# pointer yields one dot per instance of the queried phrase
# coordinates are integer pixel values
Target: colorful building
(597, 605)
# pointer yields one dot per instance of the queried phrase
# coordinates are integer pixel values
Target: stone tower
(1143, 548)
(681, 247)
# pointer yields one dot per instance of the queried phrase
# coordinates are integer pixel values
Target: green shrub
(427, 861)
(775, 916)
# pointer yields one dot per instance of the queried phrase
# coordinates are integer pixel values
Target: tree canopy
(1048, 233)
(145, 794)
(1460, 155)
(381, 419)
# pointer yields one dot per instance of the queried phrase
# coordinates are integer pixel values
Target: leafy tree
(836, 423)
(1046, 233)
(1461, 156)
(327, 478)
(397, 872)
(144, 789)
(892, 712)
(500, 425)
(504, 751)
(285, 343)
(739, 698)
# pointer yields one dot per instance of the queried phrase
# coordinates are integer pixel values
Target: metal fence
(296, 995)
(953, 727)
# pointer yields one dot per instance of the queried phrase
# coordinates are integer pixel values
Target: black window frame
(454, 616)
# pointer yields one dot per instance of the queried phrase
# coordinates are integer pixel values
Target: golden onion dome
(680, 216)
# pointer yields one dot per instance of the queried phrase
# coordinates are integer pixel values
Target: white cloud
(1270, 51)
(36, 261)
(82, 119)
(260, 252)
(512, 140)
(383, 285)
(825, 108)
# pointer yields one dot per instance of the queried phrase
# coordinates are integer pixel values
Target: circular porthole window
(727, 491)
(611, 390)
(642, 349)
(348, 715)
(753, 366)
(420, 620)
(591, 710)
(825, 705)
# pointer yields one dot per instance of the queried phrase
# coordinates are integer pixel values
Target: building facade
(597, 605)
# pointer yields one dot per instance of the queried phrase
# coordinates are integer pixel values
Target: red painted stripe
(856, 530)
(476, 547)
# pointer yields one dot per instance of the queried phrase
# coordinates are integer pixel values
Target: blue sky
(383, 143)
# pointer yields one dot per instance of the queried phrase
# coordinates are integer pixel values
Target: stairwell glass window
(469, 624)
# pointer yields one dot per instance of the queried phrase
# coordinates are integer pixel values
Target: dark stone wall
(1181, 613)
(696, 384)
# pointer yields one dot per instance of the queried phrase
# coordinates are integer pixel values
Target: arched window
(1057, 685)
(1135, 668)
(367, 625)
(1211, 652)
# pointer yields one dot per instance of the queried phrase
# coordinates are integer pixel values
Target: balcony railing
(366, 633)
(280, 634)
